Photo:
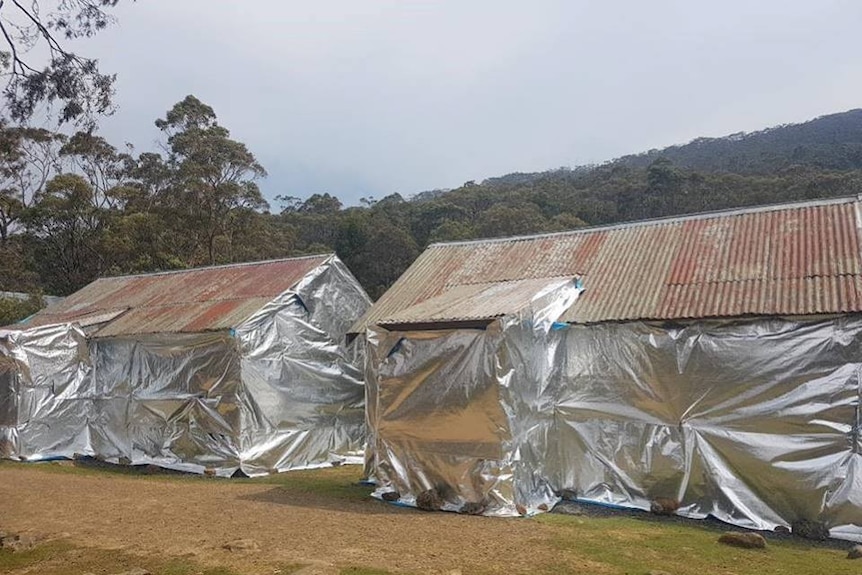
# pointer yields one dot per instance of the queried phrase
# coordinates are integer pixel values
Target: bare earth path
(176, 516)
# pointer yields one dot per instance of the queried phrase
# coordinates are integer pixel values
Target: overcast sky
(372, 97)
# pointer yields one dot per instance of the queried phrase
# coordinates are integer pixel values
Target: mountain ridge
(810, 143)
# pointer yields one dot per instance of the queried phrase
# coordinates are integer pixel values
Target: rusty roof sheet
(790, 259)
(196, 300)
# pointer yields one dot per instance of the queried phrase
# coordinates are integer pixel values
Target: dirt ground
(176, 516)
(322, 522)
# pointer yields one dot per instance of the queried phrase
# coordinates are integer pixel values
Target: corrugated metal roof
(474, 301)
(791, 259)
(196, 300)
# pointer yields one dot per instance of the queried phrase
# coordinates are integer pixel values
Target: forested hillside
(76, 208)
(830, 142)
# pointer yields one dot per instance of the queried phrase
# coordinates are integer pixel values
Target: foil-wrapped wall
(754, 422)
(466, 412)
(45, 392)
(280, 391)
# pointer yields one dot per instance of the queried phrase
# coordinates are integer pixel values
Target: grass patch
(63, 558)
(288, 568)
(10, 561)
(340, 483)
(623, 545)
(337, 483)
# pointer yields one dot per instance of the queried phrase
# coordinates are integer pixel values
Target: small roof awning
(474, 304)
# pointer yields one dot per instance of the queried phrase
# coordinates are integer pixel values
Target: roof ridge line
(217, 267)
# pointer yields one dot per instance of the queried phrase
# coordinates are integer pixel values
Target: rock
(472, 508)
(520, 509)
(209, 472)
(18, 543)
(124, 460)
(568, 494)
(855, 552)
(566, 508)
(241, 545)
(391, 496)
(809, 529)
(429, 500)
(543, 507)
(781, 529)
(664, 506)
(743, 540)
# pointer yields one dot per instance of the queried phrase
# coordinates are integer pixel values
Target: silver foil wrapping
(45, 387)
(466, 412)
(280, 391)
(754, 422)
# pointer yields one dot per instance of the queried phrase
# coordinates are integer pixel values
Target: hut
(231, 368)
(707, 365)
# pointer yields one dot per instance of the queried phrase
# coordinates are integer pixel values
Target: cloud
(383, 96)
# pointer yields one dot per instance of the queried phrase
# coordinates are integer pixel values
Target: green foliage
(213, 180)
(35, 31)
(68, 227)
(320, 204)
(832, 142)
(13, 310)
(76, 208)
(16, 273)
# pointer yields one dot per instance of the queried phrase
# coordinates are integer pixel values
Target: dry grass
(64, 558)
(323, 522)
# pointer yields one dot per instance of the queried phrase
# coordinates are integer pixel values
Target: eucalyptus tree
(40, 69)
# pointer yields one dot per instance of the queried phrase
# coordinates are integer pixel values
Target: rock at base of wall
(663, 506)
(472, 508)
(809, 529)
(743, 540)
(429, 500)
(566, 508)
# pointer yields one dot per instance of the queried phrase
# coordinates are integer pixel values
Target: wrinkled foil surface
(753, 422)
(281, 391)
